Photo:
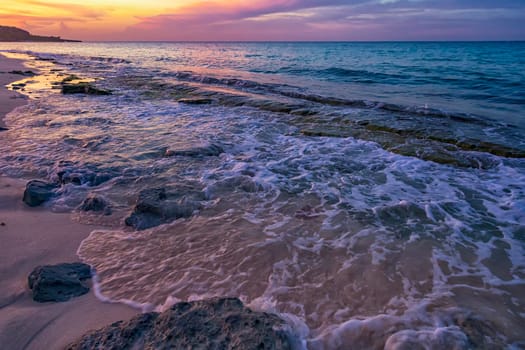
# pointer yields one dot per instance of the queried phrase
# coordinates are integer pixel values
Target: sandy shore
(31, 237)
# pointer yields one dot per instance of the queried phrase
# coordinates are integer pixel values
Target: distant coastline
(10, 34)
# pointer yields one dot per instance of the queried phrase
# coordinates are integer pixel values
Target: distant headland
(17, 34)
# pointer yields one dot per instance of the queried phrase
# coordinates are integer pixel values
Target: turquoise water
(371, 193)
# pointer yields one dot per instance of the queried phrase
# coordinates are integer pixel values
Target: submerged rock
(97, 204)
(83, 88)
(59, 282)
(241, 183)
(158, 206)
(223, 323)
(210, 150)
(71, 175)
(38, 192)
(196, 101)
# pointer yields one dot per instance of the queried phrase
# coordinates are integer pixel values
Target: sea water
(372, 194)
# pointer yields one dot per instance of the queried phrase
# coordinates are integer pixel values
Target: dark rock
(75, 176)
(83, 88)
(96, 203)
(482, 334)
(236, 183)
(158, 206)
(59, 282)
(38, 192)
(209, 324)
(3, 129)
(26, 73)
(210, 150)
(196, 101)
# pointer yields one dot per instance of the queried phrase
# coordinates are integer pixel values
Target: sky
(265, 20)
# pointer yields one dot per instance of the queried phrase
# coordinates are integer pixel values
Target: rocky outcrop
(210, 324)
(97, 204)
(38, 192)
(17, 34)
(160, 205)
(59, 282)
(210, 150)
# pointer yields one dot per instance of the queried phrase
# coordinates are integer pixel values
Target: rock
(218, 323)
(26, 73)
(59, 282)
(241, 183)
(38, 192)
(3, 129)
(71, 175)
(210, 150)
(83, 88)
(158, 206)
(96, 203)
(196, 101)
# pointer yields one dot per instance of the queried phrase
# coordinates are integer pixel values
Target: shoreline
(32, 237)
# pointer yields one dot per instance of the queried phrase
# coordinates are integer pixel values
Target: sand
(32, 237)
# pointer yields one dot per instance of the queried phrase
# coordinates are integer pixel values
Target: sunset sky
(187, 20)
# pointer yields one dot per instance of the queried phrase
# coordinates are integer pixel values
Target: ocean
(371, 194)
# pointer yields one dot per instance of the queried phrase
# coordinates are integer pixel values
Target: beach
(32, 237)
(368, 194)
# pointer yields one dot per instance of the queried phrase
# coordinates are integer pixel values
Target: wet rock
(210, 150)
(236, 183)
(26, 73)
(209, 324)
(83, 88)
(59, 282)
(159, 205)
(196, 101)
(78, 177)
(96, 203)
(38, 192)
(444, 338)
(481, 333)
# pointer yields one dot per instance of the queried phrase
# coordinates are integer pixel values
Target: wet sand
(9, 99)
(31, 237)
